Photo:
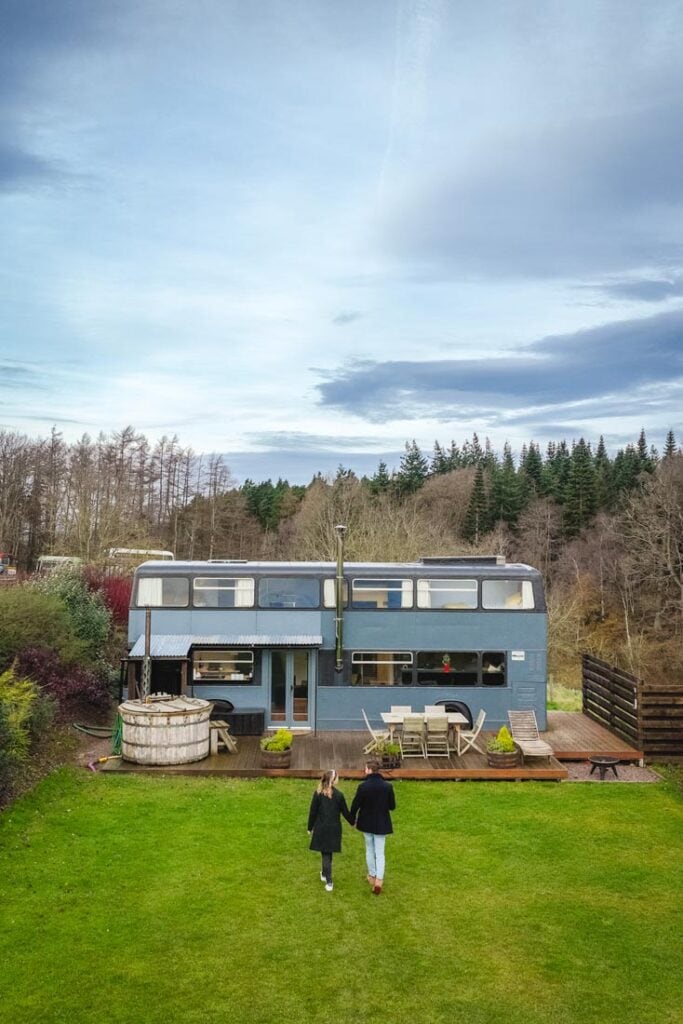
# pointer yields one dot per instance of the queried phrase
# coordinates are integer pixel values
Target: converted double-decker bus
(312, 644)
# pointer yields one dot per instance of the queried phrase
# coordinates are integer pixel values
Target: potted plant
(276, 750)
(501, 751)
(389, 754)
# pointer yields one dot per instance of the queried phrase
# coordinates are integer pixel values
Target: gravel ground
(580, 772)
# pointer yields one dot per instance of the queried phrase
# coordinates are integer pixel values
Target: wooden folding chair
(377, 737)
(470, 736)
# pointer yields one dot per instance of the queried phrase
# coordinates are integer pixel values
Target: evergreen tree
(413, 470)
(605, 490)
(477, 521)
(670, 446)
(440, 461)
(472, 453)
(489, 458)
(507, 496)
(455, 460)
(645, 455)
(381, 481)
(264, 501)
(556, 471)
(531, 466)
(580, 501)
(627, 468)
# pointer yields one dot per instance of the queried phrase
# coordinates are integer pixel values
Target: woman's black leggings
(327, 866)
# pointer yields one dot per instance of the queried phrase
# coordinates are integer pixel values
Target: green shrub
(7, 759)
(18, 697)
(281, 740)
(30, 618)
(90, 618)
(502, 743)
(386, 747)
(24, 714)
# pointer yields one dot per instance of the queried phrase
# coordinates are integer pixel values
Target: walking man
(370, 809)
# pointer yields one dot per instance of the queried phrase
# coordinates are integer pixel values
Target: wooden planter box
(497, 759)
(276, 758)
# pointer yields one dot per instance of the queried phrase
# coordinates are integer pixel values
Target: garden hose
(101, 732)
(117, 737)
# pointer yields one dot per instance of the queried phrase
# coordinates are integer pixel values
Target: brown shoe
(377, 887)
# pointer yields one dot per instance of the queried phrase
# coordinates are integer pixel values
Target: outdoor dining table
(394, 718)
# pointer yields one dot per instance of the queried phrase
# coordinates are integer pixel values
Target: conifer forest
(605, 529)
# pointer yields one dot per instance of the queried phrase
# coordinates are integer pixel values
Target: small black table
(602, 763)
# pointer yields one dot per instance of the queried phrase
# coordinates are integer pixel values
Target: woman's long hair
(326, 784)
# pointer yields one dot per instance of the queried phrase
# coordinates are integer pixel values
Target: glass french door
(290, 691)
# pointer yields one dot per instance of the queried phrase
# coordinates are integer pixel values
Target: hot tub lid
(157, 705)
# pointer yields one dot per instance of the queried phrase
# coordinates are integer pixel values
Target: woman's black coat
(324, 821)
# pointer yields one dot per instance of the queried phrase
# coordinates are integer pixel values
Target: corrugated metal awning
(165, 646)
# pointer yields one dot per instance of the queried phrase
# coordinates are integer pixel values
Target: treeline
(606, 530)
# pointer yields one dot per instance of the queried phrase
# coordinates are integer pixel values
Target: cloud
(20, 170)
(21, 375)
(298, 441)
(612, 359)
(587, 196)
(645, 289)
(347, 317)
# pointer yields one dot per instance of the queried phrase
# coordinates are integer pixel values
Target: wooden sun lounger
(524, 730)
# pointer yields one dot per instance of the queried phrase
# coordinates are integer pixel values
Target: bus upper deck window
(507, 595)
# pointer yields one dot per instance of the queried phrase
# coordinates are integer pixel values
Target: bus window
(507, 595)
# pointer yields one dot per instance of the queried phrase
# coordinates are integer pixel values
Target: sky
(303, 232)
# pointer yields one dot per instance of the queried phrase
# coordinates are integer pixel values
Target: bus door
(289, 674)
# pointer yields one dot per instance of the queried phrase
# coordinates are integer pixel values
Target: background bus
(8, 565)
(49, 563)
(123, 560)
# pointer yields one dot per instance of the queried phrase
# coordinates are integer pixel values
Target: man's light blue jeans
(374, 854)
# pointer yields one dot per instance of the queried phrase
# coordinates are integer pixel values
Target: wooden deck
(573, 737)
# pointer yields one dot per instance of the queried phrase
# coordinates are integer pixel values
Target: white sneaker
(328, 887)
(322, 877)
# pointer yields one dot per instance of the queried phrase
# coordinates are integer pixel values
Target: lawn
(130, 899)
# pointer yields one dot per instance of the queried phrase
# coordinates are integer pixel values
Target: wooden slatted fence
(648, 715)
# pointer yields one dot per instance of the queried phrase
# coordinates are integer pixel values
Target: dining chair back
(411, 739)
(436, 736)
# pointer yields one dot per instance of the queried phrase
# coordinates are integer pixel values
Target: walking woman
(324, 823)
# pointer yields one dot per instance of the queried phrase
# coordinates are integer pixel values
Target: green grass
(128, 899)
(563, 698)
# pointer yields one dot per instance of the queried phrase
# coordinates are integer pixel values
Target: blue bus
(312, 645)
